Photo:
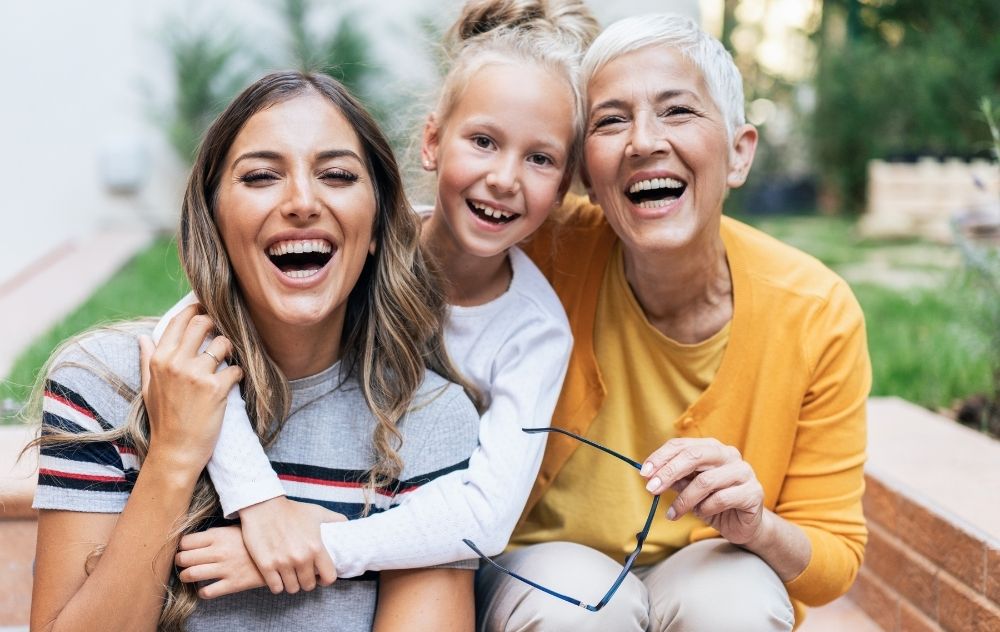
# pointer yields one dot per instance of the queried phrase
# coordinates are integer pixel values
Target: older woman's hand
(713, 482)
(184, 392)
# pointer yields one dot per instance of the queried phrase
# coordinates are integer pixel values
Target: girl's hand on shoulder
(283, 539)
(218, 556)
(183, 390)
(713, 482)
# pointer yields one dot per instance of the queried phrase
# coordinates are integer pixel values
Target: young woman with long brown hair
(297, 237)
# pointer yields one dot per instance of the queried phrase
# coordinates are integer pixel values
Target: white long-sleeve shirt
(515, 349)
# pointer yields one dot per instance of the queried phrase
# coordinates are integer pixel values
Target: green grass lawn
(928, 320)
(147, 286)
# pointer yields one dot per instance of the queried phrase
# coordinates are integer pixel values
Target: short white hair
(725, 84)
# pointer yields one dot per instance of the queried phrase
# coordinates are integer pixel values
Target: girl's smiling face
(501, 156)
(295, 210)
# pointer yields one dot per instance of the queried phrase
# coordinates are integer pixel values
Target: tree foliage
(210, 66)
(905, 81)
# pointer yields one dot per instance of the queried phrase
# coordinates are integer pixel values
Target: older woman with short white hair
(734, 366)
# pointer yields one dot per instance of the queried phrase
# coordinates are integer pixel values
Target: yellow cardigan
(790, 393)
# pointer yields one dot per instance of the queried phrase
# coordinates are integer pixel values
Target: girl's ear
(429, 144)
(371, 247)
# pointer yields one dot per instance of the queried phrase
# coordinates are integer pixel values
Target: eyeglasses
(640, 538)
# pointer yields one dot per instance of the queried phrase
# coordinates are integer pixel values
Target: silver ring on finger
(213, 356)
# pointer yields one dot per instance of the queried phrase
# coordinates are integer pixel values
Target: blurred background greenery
(831, 84)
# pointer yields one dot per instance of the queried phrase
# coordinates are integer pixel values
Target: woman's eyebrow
(264, 155)
(666, 95)
(338, 153)
(323, 155)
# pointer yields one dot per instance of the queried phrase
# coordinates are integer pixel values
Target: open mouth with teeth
(491, 214)
(300, 258)
(655, 192)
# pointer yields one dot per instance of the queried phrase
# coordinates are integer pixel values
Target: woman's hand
(184, 393)
(283, 539)
(713, 482)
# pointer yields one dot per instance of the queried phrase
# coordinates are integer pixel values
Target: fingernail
(671, 513)
(653, 484)
(647, 469)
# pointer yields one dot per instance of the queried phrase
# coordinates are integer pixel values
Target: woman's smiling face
(656, 154)
(295, 209)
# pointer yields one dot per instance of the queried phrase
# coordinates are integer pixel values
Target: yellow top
(651, 380)
(790, 392)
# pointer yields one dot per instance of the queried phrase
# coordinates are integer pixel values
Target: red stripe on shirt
(83, 477)
(344, 484)
(62, 400)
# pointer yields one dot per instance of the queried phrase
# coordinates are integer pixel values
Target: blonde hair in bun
(553, 34)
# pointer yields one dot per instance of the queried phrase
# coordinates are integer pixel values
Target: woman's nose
(647, 137)
(503, 175)
(301, 201)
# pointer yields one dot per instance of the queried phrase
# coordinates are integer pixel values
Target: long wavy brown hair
(394, 316)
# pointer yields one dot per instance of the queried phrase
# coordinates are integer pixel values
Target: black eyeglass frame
(640, 538)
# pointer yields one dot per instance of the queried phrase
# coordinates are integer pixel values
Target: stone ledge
(933, 557)
(17, 476)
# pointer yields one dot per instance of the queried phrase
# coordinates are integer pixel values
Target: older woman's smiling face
(657, 155)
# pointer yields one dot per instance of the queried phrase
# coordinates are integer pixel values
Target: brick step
(843, 615)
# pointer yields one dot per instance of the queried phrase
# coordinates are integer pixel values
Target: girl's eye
(540, 159)
(338, 176)
(482, 142)
(258, 177)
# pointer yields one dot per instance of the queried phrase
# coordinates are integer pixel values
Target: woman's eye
(482, 142)
(604, 121)
(677, 110)
(258, 177)
(338, 176)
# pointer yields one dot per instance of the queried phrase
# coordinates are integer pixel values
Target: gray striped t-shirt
(321, 456)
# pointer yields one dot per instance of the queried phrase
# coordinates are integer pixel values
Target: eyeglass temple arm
(549, 591)
(600, 447)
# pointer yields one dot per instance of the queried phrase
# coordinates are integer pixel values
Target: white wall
(83, 78)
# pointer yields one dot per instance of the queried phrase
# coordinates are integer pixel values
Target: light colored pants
(708, 586)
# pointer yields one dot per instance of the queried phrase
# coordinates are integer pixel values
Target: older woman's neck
(685, 294)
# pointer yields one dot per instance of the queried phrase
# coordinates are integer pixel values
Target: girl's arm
(481, 503)
(91, 476)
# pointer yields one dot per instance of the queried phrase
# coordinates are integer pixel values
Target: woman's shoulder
(780, 265)
(100, 367)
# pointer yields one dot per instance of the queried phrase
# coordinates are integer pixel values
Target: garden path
(48, 290)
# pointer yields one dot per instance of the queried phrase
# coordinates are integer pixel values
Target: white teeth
(655, 203)
(299, 274)
(299, 246)
(489, 211)
(655, 183)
